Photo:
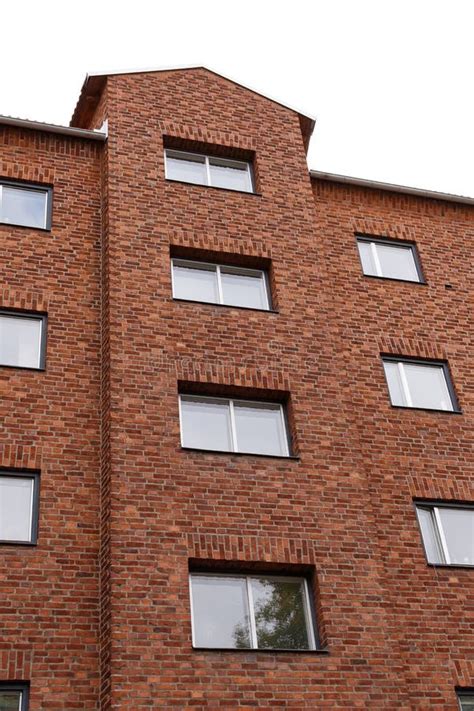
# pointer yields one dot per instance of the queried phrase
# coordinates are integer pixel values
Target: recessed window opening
(448, 533)
(25, 205)
(419, 384)
(22, 339)
(13, 696)
(213, 171)
(18, 506)
(227, 285)
(389, 259)
(231, 425)
(251, 612)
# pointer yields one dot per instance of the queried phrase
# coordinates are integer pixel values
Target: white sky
(389, 81)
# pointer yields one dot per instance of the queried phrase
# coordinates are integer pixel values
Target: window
(423, 384)
(233, 425)
(25, 205)
(18, 507)
(13, 696)
(219, 284)
(209, 170)
(448, 533)
(466, 700)
(389, 259)
(22, 340)
(251, 612)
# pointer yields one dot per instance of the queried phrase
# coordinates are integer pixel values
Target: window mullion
(32, 500)
(250, 177)
(172, 278)
(376, 259)
(40, 344)
(193, 631)
(233, 427)
(46, 208)
(208, 170)
(285, 433)
(219, 284)
(309, 616)
(404, 381)
(181, 424)
(442, 537)
(253, 625)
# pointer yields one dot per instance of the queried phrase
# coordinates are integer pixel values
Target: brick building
(237, 424)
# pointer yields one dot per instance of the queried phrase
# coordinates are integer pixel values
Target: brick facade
(97, 615)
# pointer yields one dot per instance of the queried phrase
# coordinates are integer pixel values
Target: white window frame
(401, 362)
(469, 695)
(233, 429)
(309, 617)
(207, 158)
(22, 689)
(210, 266)
(373, 243)
(25, 186)
(34, 504)
(31, 316)
(440, 536)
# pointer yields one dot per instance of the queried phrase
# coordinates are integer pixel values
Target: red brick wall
(170, 505)
(106, 429)
(407, 454)
(50, 421)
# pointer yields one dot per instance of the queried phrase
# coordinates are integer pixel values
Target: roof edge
(391, 187)
(309, 121)
(177, 68)
(53, 128)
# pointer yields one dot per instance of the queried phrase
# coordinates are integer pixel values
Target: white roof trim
(391, 187)
(145, 70)
(52, 128)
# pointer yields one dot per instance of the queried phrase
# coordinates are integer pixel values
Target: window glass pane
(21, 206)
(195, 282)
(458, 529)
(368, 264)
(206, 424)
(259, 429)
(394, 383)
(10, 700)
(187, 167)
(430, 537)
(15, 508)
(280, 617)
(427, 386)
(20, 341)
(397, 262)
(244, 288)
(220, 612)
(230, 174)
(467, 702)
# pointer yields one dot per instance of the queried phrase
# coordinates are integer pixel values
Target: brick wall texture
(97, 615)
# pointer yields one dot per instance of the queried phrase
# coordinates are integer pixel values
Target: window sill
(214, 187)
(291, 457)
(26, 227)
(28, 544)
(225, 306)
(421, 282)
(226, 650)
(22, 367)
(427, 409)
(462, 566)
